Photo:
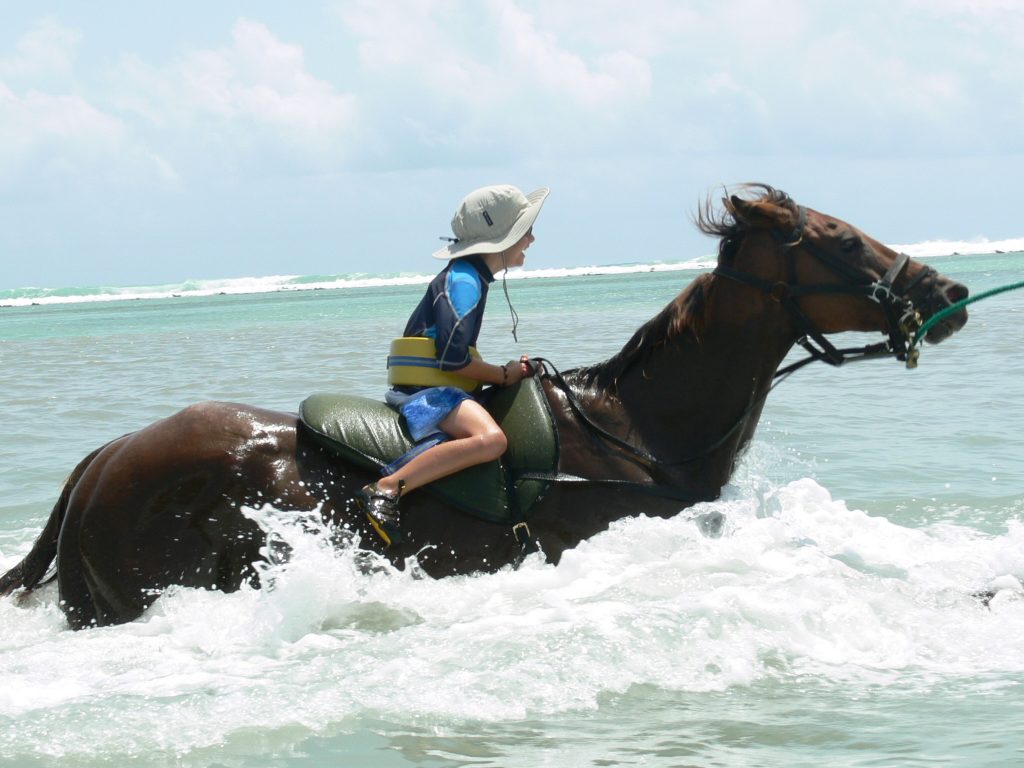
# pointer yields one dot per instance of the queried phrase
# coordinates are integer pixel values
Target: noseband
(902, 319)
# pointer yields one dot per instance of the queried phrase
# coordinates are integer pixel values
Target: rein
(646, 460)
(559, 381)
(952, 309)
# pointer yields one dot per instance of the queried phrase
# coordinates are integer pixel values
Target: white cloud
(878, 82)
(62, 136)
(59, 131)
(617, 77)
(998, 10)
(722, 84)
(48, 49)
(50, 131)
(452, 82)
(483, 56)
(254, 92)
(644, 28)
(417, 45)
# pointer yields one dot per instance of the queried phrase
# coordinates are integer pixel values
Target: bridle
(902, 319)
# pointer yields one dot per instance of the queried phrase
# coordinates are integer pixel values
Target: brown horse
(651, 430)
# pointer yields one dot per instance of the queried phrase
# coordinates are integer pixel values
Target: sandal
(381, 510)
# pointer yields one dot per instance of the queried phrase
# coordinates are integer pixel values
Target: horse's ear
(754, 214)
(741, 210)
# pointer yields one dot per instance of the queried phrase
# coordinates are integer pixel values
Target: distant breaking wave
(21, 297)
(960, 247)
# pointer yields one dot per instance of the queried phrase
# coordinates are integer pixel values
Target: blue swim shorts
(425, 410)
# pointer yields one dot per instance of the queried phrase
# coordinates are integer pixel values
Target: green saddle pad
(373, 434)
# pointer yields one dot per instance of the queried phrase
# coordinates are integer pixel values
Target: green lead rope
(938, 317)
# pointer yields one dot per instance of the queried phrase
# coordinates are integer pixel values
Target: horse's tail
(30, 572)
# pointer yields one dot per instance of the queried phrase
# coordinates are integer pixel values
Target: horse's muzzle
(945, 293)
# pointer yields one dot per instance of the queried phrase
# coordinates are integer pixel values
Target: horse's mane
(685, 313)
(724, 224)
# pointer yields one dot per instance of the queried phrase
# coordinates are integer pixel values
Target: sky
(149, 142)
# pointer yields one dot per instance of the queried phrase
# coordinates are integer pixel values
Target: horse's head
(829, 275)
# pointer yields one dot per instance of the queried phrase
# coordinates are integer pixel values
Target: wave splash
(787, 589)
(740, 592)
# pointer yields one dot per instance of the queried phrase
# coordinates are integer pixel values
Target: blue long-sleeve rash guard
(452, 310)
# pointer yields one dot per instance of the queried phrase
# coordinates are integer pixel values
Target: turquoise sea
(820, 613)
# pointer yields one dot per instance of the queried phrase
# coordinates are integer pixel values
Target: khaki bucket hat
(490, 219)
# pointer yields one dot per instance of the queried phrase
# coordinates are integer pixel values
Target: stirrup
(382, 511)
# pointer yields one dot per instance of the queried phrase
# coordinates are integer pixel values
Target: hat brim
(520, 227)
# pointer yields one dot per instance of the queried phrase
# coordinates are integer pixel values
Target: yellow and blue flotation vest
(412, 362)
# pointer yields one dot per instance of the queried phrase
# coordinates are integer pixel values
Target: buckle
(526, 542)
(881, 292)
(911, 322)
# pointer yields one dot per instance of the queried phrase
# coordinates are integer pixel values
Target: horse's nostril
(956, 292)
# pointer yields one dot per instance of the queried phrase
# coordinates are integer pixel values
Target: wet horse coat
(660, 423)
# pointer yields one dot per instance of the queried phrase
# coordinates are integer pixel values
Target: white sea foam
(748, 589)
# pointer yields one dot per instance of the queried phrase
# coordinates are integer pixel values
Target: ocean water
(820, 613)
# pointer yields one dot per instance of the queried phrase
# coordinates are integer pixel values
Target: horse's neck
(695, 401)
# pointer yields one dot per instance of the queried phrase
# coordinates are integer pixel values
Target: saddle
(372, 434)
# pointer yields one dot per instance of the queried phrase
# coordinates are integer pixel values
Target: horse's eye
(850, 243)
